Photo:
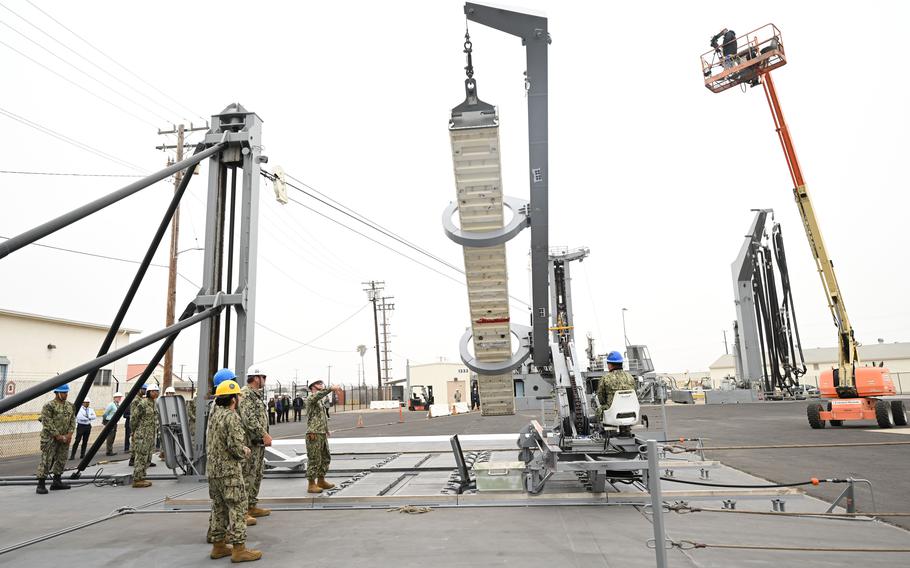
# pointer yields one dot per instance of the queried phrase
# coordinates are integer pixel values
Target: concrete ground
(526, 536)
(778, 423)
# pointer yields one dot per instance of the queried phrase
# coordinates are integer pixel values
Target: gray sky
(648, 168)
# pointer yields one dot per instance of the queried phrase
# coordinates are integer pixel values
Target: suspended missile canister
(474, 135)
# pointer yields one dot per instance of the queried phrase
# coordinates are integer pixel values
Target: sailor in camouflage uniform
(144, 426)
(226, 452)
(253, 415)
(57, 424)
(317, 444)
(615, 380)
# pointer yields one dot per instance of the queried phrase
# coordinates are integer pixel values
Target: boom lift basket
(757, 52)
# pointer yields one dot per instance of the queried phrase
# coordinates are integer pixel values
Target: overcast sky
(647, 168)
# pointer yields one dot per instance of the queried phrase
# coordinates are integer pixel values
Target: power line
(396, 251)
(102, 256)
(341, 208)
(68, 140)
(111, 59)
(386, 232)
(279, 334)
(79, 69)
(301, 284)
(309, 343)
(75, 84)
(73, 174)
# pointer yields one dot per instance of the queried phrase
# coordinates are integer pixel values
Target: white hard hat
(152, 387)
(118, 393)
(87, 399)
(255, 372)
(170, 390)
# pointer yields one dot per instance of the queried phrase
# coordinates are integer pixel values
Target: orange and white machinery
(854, 392)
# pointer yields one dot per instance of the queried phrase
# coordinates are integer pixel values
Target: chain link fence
(20, 428)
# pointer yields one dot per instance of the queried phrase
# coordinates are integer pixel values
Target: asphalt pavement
(765, 423)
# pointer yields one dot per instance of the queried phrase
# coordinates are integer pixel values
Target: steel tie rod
(45, 229)
(17, 399)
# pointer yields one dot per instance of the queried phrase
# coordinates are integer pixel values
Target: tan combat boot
(220, 550)
(313, 487)
(241, 553)
(324, 484)
(258, 512)
(250, 521)
(142, 483)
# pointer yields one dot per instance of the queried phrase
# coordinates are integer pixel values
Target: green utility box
(500, 476)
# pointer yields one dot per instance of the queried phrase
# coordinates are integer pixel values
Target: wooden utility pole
(180, 130)
(373, 295)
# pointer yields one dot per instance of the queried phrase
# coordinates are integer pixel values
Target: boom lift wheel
(883, 413)
(813, 413)
(899, 412)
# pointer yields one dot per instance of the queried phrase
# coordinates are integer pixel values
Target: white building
(896, 357)
(34, 348)
(445, 379)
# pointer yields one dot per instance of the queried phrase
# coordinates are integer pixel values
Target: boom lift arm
(757, 53)
(848, 357)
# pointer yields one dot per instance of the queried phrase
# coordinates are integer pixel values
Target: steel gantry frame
(241, 130)
(474, 113)
(233, 142)
(746, 347)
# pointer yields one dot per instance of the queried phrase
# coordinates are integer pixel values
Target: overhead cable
(310, 342)
(90, 76)
(75, 84)
(73, 174)
(271, 177)
(102, 256)
(68, 140)
(112, 60)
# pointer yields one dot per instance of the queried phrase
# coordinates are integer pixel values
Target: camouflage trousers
(252, 474)
(53, 458)
(317, 455)
(142, 456)
(227, 520)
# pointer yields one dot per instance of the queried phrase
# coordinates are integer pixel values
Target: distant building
(896, 357)
(36, 347)
(445, 378)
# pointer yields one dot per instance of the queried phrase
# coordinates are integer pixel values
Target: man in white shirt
(106, 417)
(84, 418)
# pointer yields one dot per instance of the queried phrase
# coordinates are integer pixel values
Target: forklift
(420, 398)
(853, 392)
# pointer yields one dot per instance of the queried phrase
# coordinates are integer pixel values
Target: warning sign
(10, 388)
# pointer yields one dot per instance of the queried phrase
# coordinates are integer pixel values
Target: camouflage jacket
(57, 419)
(253, 415)
(224, 444)
(317, 422)
(143, 419)
(613, 381)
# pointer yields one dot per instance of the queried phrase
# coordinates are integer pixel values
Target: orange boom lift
(853, 392)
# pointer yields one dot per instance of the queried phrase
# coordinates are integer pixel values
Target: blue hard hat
(614, 357)
(223, 375)
(145, 386)
(62, 388)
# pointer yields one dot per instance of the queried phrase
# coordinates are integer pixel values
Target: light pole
(624, 335)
